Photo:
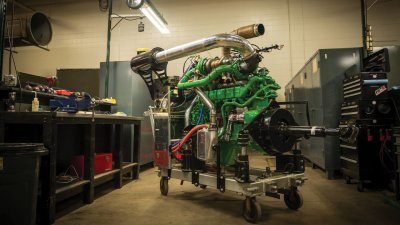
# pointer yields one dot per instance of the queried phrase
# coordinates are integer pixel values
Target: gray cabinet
(320, 83)
(133, 98)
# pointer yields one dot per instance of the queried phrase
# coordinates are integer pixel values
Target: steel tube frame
(274, 184)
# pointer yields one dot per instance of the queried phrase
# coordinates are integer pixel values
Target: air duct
(33, 29)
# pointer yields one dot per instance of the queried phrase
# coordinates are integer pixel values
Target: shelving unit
(66, 191)
(66, 135)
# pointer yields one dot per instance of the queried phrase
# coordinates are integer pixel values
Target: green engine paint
(254, 93)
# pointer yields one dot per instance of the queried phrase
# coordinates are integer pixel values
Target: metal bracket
(221, 183)
(273, 195)
(220, 178)
(195, 178)
(169, 173)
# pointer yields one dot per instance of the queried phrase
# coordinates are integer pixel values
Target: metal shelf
(104, 177)
(50, 128)
(69, 190)
(128, 165)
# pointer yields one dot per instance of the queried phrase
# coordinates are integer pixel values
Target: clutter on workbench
(72, 104)
(35, 104)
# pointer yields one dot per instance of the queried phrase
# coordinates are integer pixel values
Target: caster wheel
(202, 186)
(348, 180)
(360, 187)
(293, 200)
(164, 186)
(251, 210)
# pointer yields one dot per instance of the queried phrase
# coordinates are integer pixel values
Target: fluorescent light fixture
(155, 17)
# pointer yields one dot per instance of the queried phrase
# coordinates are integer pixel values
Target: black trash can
(19, 175)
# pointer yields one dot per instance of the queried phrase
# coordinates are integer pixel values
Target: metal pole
(312, 131)
(11, 40)
(3, 11)
(108, 48)
(364, 26)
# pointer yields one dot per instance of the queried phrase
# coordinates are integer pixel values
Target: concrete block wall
(303, 26)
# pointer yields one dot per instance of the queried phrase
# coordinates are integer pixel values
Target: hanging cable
(200, 116)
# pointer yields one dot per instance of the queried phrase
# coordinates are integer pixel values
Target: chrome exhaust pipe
(157, 59)
(215, 41)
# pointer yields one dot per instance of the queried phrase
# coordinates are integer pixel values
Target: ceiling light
(134, 4)
(150, 11)
(154, 19)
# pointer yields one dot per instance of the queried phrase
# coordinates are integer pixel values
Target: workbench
(66, 135)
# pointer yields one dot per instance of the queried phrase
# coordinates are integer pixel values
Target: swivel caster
(294, 199)
(251, 210)
(164, 186)
(203, 186)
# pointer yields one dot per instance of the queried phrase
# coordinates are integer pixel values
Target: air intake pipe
(32, 29)
(157, 59)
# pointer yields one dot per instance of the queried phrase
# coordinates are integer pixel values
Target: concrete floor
(325, 202)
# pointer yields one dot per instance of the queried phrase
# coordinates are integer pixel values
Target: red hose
(187, 136)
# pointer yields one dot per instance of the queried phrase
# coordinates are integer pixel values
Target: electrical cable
(176, 143)
(66, 179)
(184, 101)
(201, 115)
(395, 107)
(184, 65)
(384, 150)
(162, 99)
(124, 18)
(256, 46)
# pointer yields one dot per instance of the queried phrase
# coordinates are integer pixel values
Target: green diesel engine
(237, 98)
(226, 102)
(205, 121)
